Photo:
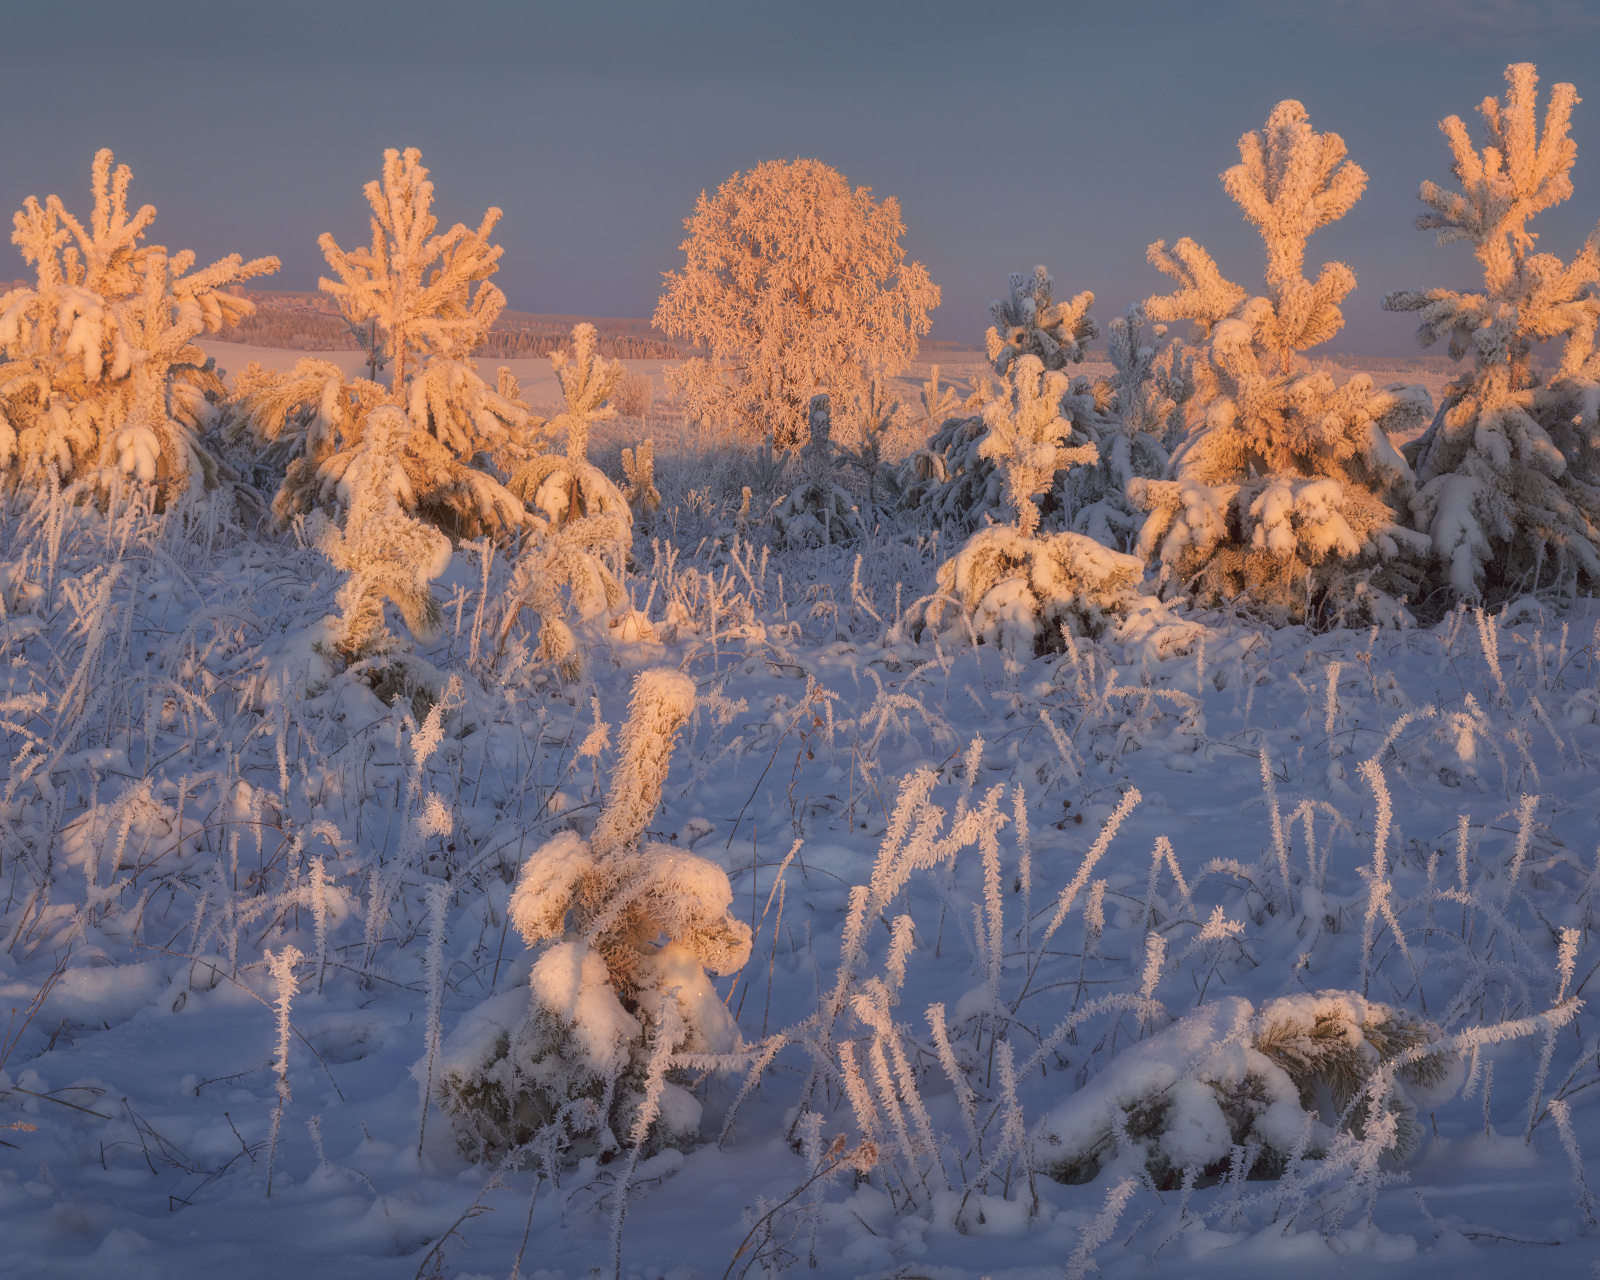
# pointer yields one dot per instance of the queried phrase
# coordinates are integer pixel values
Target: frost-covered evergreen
(953, 481)
(1281, 494)
(629, 930)
(1153, 383)
(1029, 322)
(1010, 584)
(428, 294)
(101, 376)
(1509, 488)
(875, 417)
(818, 512)
(384, 553)
(575, 560)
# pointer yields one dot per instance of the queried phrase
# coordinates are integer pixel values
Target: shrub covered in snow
(1282, 1085)
(629, 928)
(1282, 493)
(101, 377)
(1509, 470)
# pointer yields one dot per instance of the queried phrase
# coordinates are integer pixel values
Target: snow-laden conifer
(1509, 490)
(575, 560)
(101, 375)
(429, 296)
(1153, 382)
(875, 418)
(818, 512)
(629, 930)
(384, 553)
(1029, 322)
(1009, 583)
(953, 481)
(1281, 492)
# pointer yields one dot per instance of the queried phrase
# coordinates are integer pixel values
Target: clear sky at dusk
(1067, 134)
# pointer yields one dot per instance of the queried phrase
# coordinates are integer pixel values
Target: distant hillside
(310, 322)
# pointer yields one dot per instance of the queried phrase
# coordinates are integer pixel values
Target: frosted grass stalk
(281, 967)
(1098, 1231)
(438, 901)
(1569, 1142)
(1280, 843)
(1489, 638)
(1378, 876)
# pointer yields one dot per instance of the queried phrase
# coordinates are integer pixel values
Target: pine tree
(384, 553)
(1281, 492)
(817, 512)
(1012, 585)
(1510, 491)
(101, 375)
(1030, 323)
(961, 489)
(875, 418)
(1153, 383)
(585, 527)
(429, 296)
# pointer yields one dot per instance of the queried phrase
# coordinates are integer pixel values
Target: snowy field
(1025, 927)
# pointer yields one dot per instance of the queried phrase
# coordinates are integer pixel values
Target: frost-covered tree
(818, 512)
(429, 296)
(1281, 492)
(1029, 322)
(629, 930)
(959, 487)
(793, 283)
(384, 553)
(1012, 585)
(875, 419)
(576, 559)
(1153, 382)
(101, 375)
(1509, 487)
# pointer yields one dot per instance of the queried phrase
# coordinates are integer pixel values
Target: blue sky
(1012, 134)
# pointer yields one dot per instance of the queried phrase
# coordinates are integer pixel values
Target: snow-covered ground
(190, 794)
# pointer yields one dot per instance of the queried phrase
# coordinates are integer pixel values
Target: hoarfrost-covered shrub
(628, 929)
(417, 287)
(1282, 1085)
(1510, 467)
(633, 396)
(876, 418)
(101, 376)
(818, 512)
(1281, 494)
(639, 468)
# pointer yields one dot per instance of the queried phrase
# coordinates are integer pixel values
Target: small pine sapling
(1509, 469)
(1029, 322)
(1010, 584)
(877, 415)
(818, 512)
(101, 376)
(629, 930)
(925, 467)
(428, 296)
(384, 553)
(586, 525)
(956, 483)
(639, 468)
(1282, 494)
(1153, 383)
